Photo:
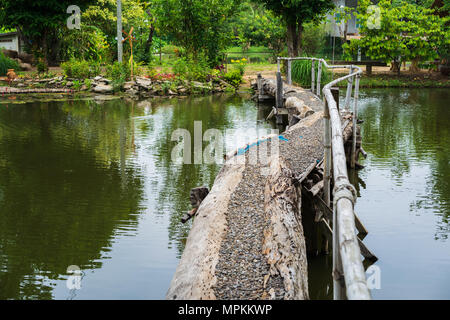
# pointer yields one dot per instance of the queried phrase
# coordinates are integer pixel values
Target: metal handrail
(347, 263)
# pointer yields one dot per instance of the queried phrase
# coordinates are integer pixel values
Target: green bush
(301, 73)
(192, 69)
(80, 69)
(42, 66)
(233, 77)
(7, 63)
(119, 71)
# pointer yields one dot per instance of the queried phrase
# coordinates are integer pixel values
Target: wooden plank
(360, 227)
(271, 114)
(366, 253)
(316, 188)
(305, 173)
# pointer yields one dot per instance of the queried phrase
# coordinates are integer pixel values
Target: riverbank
(142, 87)
(381, 77)
(403, 80)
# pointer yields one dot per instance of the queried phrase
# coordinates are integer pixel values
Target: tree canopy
(40, 22)
(295, 13)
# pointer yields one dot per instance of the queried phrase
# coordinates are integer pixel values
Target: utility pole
(119, 31)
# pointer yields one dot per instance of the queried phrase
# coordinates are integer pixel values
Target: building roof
(8, 34)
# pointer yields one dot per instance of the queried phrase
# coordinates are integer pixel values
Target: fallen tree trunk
(284, 242)
(195, 275)
(12, 90)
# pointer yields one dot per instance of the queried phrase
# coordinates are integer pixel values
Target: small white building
(352, 26)
(11, 41)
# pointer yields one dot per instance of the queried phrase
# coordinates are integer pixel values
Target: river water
(92, 184)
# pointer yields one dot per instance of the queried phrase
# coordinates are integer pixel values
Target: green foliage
(295, 13)
(192, 69)
(80, 69)
(313, 38)
(102, 15)
(42, 66)
(88, 83)
(408, 31)
(41, 22)
(7, 63)
(301, 73)
(239, 65)
(77, 85)
(233, 77)
(199, 26)
(117, 71)
(88, 43)
(253, 25)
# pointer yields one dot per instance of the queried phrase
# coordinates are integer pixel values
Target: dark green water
(404, 193)
(93, 185)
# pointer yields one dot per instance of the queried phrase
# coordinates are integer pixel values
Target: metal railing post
(327, 154)
(289, 72)
(349, 90)
(349, 279)
(319, 75)
(355, 120)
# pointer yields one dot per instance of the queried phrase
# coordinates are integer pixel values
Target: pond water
(403, 193)
(92, 184)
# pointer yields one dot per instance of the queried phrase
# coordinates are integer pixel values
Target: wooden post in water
(260, 86)
(279, 98)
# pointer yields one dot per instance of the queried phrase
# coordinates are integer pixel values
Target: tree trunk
(414, 66)
(149, 42)
(292, 39)
(395, 67)
(299, 38)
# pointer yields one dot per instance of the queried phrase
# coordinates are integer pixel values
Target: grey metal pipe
(346, 253)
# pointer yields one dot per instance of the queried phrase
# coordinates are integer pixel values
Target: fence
(349, 280)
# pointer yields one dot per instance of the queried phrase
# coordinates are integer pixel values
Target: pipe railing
(349, 279)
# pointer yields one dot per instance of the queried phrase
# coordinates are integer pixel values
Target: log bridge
(271, 205)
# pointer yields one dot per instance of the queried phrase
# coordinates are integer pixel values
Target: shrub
(7, 63)
(119, 71)
(233, 77)
(192, 69)
(240, 65)
(42, 66)
(80, 69)
(301, 73)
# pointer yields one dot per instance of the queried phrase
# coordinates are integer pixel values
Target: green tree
(295, 13)
(199, 26)
(41, 23)
(254, 25)
(405, 32)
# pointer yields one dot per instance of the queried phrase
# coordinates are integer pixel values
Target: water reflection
(62, 190)
(405, 196)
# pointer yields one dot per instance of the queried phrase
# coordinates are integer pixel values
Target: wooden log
(197, 195)
(12, 90)
(284, 243)
(298, 107)
(195, 277)
(188, 215)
